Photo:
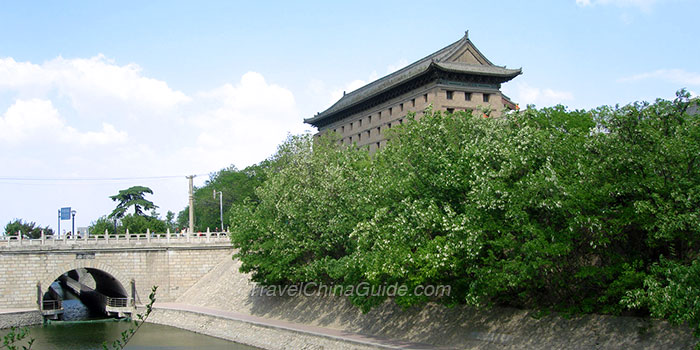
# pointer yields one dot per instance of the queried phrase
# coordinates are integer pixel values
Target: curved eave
(354, 98)
(381, 85)
(493, 71)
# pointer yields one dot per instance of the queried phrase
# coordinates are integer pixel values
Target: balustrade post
(19, 237)
(148, 235)
(106, 236)
(208, 234)
(128, 238)
(167, 235)
(43, 237)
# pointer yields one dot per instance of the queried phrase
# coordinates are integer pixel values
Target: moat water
(91, 335)
(83, 329)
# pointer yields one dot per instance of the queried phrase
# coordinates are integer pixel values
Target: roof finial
(466, 34)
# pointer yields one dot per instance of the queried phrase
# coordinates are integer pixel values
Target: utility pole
(191, 177)
(221, 207)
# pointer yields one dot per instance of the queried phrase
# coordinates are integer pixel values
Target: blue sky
(91, 91)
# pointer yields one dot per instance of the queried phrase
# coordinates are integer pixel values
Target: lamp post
(221, 208)
(72, 231)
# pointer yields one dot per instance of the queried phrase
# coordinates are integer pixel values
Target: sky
(99, 96)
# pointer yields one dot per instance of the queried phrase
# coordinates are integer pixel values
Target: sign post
(63, 214)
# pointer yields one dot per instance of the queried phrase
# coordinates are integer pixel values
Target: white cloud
(526, 95)
(243, 122)
(39, 121)
(396, 66)
(252, 93)
(25, 118)
(643, 5)
(337, 93)
(108, 135)
(92, 85)
(82, 102)
(92, 117)
(321, 91)
(676, 76)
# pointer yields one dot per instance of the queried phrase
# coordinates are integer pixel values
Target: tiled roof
(444, 59)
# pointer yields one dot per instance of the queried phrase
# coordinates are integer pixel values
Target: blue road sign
(65, 213)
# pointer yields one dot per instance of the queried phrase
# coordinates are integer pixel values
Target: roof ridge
(398, 72)
(435, 59)
(451, 49)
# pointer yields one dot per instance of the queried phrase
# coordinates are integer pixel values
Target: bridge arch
(50, 277)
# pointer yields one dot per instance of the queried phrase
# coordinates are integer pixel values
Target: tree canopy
(132, 196)
(30, 229)
(576, 211)
(236, 186)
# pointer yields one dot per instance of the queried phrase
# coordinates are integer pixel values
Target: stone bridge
(127, 265)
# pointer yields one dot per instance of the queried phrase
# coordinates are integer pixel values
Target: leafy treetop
(132, 196)
(30, 229)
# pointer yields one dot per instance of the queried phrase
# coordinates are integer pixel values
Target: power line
(28, 180)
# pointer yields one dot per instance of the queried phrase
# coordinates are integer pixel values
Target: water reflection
(73, 308)
(81, 328)
(90, 335)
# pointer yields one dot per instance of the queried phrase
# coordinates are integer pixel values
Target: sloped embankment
(225, 288)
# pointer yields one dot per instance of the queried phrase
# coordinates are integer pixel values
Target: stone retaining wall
(20, 319)
(224, 288)
(265, 337)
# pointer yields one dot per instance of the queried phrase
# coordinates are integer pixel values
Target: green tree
(236, 187)
(134, 223)
(170, 221)
(101, 225)
(29, 229)
(307, 208)
(15, 337)
(132, 196)
(140, 224)
(577, 211)
(183, 218)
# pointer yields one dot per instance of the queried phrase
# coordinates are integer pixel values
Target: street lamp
(73, 224)
(221, 208)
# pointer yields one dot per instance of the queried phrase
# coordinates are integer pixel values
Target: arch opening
(86, 293)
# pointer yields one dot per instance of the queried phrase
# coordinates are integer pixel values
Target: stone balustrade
(107, 239)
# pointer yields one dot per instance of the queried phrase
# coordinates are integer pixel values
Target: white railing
(109, 304)
(119, 302)
(51, 305)
(148, 237)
